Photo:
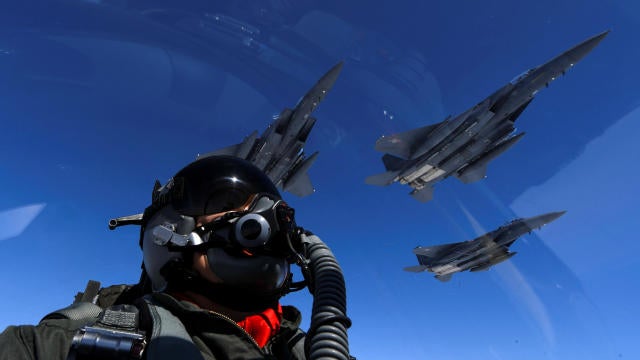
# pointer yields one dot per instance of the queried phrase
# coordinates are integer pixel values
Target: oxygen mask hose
(327, 336)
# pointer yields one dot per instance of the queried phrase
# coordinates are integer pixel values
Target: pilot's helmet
(211, 185)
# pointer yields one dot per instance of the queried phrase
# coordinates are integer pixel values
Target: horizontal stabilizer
(415, 269)
(393, 163)
(403, 144)
(444, 278)
(382, 179)
(423, 195)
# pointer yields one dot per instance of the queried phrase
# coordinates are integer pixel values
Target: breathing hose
(327, 335)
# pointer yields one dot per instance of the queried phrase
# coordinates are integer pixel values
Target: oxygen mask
(263, 225)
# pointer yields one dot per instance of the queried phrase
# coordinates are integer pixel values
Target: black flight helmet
(218, 183)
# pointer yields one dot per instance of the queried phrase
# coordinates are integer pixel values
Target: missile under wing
(464, 145)
(480, 253)
(279, 150)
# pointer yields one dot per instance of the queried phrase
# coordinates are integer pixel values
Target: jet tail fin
(382, 179)
(423, 195)
(444, 278)
(473, 174)
(415, 269)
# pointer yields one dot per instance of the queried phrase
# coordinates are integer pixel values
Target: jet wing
(229, 150)
(240, 150)
(434, 253)
(301, 187)
(437, 249)
(405, 143)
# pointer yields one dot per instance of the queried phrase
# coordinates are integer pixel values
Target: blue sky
(97, 101)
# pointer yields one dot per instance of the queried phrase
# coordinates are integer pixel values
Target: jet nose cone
(541, 220)
(581, 50)
(553, 216)
(330, 77)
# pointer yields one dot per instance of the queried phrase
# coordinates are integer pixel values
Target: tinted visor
(218, 183)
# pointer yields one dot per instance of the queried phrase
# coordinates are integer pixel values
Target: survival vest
(113, 329)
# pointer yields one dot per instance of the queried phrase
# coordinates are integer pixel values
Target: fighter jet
(464, 145)
(279, 150)
(480, 253)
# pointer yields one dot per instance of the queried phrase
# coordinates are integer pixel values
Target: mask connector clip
(165, 235)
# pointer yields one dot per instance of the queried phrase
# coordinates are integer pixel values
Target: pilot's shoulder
(50, 339)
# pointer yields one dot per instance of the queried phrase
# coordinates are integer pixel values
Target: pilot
(217, 243)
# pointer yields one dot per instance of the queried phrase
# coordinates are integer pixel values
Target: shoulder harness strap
(296, 345)
(78, 311)
(114, 332)
(83, 307)
(169, 338)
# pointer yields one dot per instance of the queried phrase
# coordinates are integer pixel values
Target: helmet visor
(217, 184)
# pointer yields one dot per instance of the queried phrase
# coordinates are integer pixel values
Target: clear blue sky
(97, 101)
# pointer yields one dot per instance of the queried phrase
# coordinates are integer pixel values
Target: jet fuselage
(480, 253)
(463, 146)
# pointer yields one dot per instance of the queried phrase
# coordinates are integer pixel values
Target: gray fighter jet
(279, 151)
(480, 253)
(464, 145)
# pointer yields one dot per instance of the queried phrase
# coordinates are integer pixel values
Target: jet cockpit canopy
(518, 78)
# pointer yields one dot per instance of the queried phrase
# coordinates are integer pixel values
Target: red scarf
(263, 326)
